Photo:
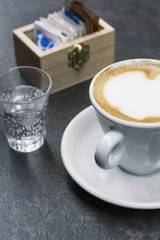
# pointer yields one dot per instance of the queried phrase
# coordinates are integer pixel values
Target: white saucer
(114, 186)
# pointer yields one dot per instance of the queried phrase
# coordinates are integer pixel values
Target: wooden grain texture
(55, 61)
(24, 55)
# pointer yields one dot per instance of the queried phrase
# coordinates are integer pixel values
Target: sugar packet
(53, 29)
(61, 19)
(75, 19)
(42, 41)
(43, 38)
(63, 28)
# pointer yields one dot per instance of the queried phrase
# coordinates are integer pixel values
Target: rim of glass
(32, 68)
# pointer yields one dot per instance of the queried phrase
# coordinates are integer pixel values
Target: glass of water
(24, 93)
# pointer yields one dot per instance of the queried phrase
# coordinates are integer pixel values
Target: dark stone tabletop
(38, 198)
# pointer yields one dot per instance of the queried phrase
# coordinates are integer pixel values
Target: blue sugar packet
(71, 15)
(75, 19)
(42, 41)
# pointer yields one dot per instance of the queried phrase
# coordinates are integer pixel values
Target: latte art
(130, 92)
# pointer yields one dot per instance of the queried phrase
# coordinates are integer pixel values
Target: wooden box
(55, 61)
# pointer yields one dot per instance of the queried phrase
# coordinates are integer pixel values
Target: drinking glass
(24, 93)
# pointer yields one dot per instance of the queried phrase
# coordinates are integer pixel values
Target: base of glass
(26, 145)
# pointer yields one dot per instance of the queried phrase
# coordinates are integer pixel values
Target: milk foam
(133, 94)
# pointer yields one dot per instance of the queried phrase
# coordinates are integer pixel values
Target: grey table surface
(38, 198)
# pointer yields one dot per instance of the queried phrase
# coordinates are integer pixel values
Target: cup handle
(110, 150)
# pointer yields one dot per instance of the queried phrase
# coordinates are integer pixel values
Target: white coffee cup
(133, 145)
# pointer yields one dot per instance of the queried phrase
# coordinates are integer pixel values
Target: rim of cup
(32, 68)
(108, 115)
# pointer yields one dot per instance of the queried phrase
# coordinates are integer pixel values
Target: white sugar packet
(61, 19)
(54, 30)
(64, 29)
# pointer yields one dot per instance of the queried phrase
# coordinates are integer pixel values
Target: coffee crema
(130, 92)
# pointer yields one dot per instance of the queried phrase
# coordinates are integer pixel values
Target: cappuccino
(130, 92)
